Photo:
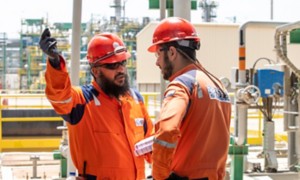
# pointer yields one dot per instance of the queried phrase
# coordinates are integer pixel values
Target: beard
(168, 68)
(112, 89)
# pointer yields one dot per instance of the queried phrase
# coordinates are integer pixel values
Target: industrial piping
(242, 135)
(281, 49)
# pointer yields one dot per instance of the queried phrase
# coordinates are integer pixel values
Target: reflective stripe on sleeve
(97, 102)
(61, 102)
(165, 143)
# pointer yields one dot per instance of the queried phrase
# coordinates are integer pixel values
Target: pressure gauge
(225, 81)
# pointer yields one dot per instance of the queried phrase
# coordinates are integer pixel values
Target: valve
(249, 94)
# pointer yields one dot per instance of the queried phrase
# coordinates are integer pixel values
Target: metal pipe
(281, 50)
(241, 107)
(182, 9)
(272, 9)
(162, 5)
(163, 83)
(242, 48)
(34, 159)
(298, 133)
(288, 108)
(242, 111)
(76, 36)
(281, 45)
(75, 62)
(245, 25)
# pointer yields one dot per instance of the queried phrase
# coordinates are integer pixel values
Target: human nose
(157, 62)
(121, 67)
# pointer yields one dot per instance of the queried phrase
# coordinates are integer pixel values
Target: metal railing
(21, 102)
(39, 101)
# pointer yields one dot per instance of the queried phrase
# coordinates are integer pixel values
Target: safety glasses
(159, 50)
(117, 50)
(112, 66)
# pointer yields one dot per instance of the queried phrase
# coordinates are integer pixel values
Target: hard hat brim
(115, 58)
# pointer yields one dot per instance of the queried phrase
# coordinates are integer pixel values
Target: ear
(94, 71)
(172, 53)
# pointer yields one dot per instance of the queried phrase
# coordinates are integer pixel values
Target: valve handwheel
(249, 94)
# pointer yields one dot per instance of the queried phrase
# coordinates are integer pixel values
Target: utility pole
(271, 9)
(163, 84)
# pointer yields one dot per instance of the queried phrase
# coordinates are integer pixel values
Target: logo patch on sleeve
(139, 121)
(215, 93)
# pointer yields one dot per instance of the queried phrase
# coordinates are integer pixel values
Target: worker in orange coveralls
(105, 118)
(192, 132)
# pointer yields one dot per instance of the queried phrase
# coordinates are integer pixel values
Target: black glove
(48, 46)
(174, 176)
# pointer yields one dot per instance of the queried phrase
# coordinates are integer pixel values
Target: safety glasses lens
(113, 66)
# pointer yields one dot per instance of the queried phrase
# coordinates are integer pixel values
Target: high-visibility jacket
(102, 130)
(192, 131)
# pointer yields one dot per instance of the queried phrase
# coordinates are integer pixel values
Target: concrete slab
(18, 166)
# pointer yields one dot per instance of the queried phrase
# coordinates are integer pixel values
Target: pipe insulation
(242, 114)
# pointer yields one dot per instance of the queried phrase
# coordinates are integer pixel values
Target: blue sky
(12, 11)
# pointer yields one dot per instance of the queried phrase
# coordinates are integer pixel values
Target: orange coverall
(192, 133)
(102, 130)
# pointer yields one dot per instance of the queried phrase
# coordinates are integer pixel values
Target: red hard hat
(106, 48)
(173, 29)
